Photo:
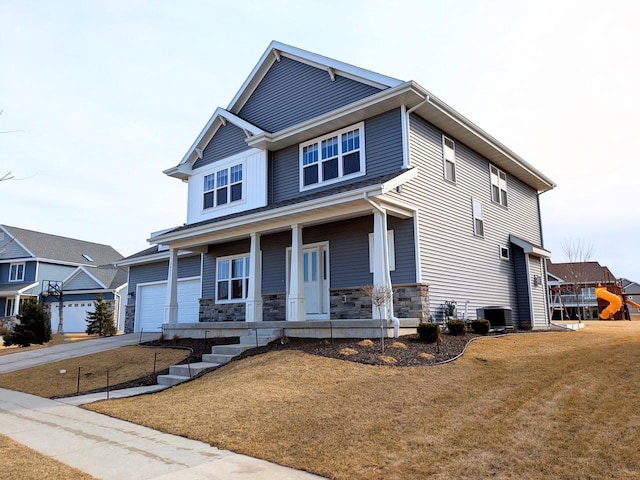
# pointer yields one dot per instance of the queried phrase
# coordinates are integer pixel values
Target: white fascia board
(205, 137)
(297, 208)
(153, 258)
(395, 182)
(277, 49)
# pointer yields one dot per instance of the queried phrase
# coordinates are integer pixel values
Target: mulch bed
(404, 351)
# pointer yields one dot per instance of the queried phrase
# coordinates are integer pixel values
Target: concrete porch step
(171, 380)
(193, 368)
(219, 358)
(234, 349)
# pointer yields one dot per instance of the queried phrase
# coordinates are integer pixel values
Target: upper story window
(232, 278)
(449, 158)
(330, 158)
(478, 220)
(222, 187)
(16, 272)
(498, 186)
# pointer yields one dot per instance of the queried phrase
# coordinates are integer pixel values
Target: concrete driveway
(31, 358)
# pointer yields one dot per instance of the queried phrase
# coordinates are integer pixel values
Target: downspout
(385, 265)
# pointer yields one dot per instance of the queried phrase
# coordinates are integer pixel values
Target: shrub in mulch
(429, 332)
(457, 327)
(481, 326)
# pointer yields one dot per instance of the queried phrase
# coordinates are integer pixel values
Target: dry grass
(22, 463)
(124, 364)
(530, 406)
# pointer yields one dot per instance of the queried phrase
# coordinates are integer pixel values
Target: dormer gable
(237, 129)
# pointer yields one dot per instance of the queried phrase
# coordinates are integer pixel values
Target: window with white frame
(392, 251)
(222, 187)
(16, 272)
(330, 158)
(478, 221)
(232, 278)
(449, 158)
(8, 308)
(498, 186)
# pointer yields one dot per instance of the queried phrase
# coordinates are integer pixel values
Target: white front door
(316, 281)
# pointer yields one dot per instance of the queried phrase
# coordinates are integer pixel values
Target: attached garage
(74, 319)
(151, 300)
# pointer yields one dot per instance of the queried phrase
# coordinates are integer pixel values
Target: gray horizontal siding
(10, 249)
(383, 154)
(209, 263)
(292, 92)
(538, 293)
(81, 282)
(158, 272)
(227, 141)
(456, 264)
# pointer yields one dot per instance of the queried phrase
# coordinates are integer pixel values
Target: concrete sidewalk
(109, 448)
(40, 356)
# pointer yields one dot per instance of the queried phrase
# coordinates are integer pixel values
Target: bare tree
(577, 252)
(380, 296)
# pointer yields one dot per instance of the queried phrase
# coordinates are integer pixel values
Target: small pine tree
(101, 321)
(34, 326)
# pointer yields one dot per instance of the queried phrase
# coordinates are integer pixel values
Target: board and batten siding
(158, 272)
(254, 186)
(383, 154)
(455, 263)
(292, 92)
(227, 141)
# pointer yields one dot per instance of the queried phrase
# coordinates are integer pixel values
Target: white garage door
(74, 318)
(152, 299)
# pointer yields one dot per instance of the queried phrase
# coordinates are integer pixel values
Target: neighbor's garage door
(152, 299)
(74, 318)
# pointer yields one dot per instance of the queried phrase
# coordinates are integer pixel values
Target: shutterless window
(498, 186)
(449, 158)
(222, 187)
(232, 278)
(329, 158)
(16, 272)
(478, 221)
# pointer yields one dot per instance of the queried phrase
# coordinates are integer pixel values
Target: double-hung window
(16, 272)
(330, 158)
(222, 187)
(232, 278)
(449, 158)
(478, 220)
(498, 186)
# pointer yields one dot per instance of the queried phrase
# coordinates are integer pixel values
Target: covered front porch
(306, 262)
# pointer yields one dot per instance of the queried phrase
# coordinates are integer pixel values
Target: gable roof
(589, 272)
(220, 117)
(105, 277)
(45, 246)
(333, 67)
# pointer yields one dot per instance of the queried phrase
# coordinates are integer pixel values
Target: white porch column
(171, 305)
(296, 305)
(381, 273)
(253, 305)
(16, 305)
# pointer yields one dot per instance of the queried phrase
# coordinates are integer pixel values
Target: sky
(98, 98)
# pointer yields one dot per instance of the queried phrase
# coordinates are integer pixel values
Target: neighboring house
(31, 261)
(565, 278)
(633, 290)
(320, 178)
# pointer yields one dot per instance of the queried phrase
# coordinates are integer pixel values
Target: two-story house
(31, 262)
(320, 178)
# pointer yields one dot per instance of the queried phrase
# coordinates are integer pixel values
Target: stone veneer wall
(224, 312)
(409, 301)
(129, 318)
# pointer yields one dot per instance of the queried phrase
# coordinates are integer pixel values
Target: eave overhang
(419, 101)
(530, 248)
(348, 204)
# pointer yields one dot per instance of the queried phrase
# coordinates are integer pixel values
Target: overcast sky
(100, 97)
